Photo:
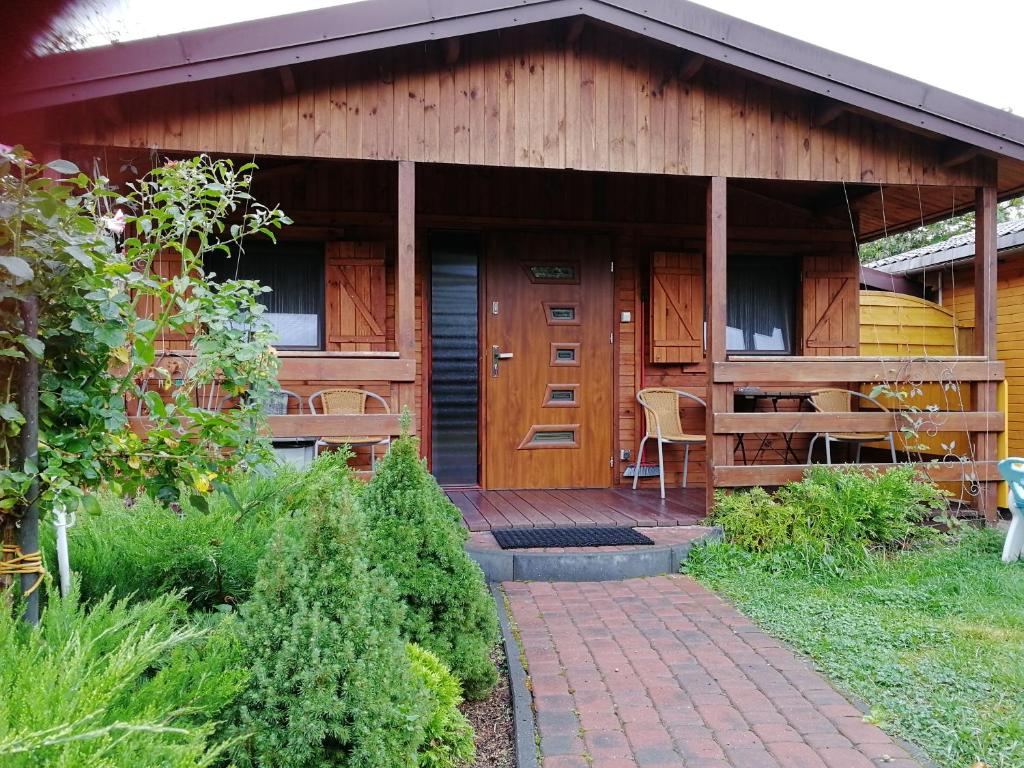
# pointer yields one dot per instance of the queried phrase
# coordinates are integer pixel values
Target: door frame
(486, 259)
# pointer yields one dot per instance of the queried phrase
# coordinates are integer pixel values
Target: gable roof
(1009, 235)
(376, 24)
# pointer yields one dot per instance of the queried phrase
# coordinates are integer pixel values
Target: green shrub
(832, 510)
(143, 548)
(331, 682)
(876, 507)
(118, 685)
(415, 535)
(448, 739)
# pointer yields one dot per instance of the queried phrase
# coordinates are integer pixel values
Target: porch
(516, 314)
(566, 508)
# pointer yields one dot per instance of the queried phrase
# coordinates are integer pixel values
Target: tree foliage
(901, 242)
(91, 255)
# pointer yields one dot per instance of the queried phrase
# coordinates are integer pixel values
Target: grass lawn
(932, 640)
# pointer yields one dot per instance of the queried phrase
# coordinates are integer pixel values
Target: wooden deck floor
(488, 510)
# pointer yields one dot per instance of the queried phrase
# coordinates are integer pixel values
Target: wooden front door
(547, 361)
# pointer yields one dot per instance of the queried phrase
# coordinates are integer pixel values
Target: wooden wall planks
(521, 97)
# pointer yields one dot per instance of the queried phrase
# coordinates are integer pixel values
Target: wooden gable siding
(525, 98)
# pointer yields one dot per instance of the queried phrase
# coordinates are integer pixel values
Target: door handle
(496, 357)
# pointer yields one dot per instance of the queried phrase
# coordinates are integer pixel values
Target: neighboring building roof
(1009, 235)
(376, 24)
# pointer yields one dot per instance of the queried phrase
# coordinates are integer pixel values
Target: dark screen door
(454, 371)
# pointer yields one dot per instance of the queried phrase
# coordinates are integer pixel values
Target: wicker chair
(661, 413)
(841, 401)
(344, 401)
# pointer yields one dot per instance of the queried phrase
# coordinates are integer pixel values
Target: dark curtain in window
(295, 274)
(761, 303)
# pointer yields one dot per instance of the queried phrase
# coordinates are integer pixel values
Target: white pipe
(61, 524)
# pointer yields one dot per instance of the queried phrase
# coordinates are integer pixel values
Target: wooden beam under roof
(575, 30)
(827, 112)
(842, 200)
(719, 395)
(452, 49)
(287, 78)
(957, 153)
(986, 397)
(689, 65)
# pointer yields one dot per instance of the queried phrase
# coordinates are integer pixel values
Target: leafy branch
(117, 275)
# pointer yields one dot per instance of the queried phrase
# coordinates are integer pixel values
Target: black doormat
(528, 538)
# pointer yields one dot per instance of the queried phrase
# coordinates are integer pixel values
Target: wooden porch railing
(344, 368)
(984, 422)
(314, 426)
(981, 372)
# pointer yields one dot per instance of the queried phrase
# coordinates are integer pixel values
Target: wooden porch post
(405, 279)
(719, 396)
(985, 287)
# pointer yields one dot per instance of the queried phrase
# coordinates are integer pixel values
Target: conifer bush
(414, 534)
(448, 736)
(331, 681)
(118, 684)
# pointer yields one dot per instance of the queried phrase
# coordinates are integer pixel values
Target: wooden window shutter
(830, 315)
(356, 297)
(677, 307)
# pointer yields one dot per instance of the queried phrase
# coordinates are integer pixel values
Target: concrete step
(671, 547)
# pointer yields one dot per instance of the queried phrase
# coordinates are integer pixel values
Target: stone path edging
(527, 752)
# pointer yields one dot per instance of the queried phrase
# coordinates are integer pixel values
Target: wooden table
(746, 400)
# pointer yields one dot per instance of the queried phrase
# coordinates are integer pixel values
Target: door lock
(496, 357)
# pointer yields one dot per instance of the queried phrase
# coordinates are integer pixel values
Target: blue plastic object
(1012, 470)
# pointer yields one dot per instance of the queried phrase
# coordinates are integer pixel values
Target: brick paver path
(662, 672)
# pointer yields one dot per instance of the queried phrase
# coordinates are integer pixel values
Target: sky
(971, 49)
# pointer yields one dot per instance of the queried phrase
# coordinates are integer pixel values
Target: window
(565, 353)
(295, 274)
(561, 396)
(551, 436)
(761, 304)
(561, 314)
(553, 272)
(558, 272)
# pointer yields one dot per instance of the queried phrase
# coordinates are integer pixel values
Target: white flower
(115, 223)
(6, 149)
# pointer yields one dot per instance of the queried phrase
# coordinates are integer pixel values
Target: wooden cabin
(511, 217)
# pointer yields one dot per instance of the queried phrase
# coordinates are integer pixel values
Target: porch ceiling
(875, 209)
